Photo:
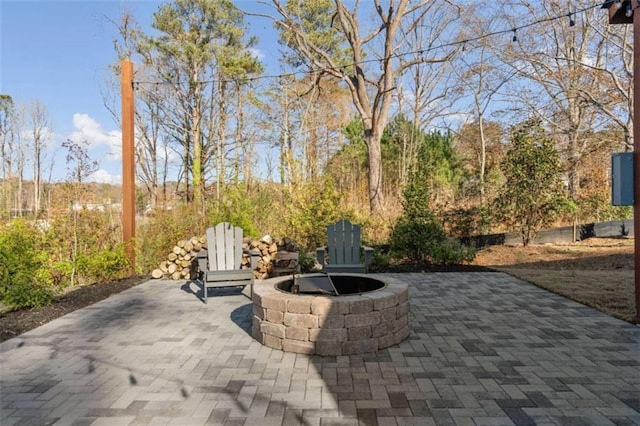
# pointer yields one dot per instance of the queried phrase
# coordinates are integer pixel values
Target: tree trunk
(239, 146)
(376, 196)
(19, 202)
(483, 159)
(196, 139)
(37, 181)
(221, 130)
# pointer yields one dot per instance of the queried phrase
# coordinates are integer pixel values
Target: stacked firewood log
(269, 249)
(181, 262)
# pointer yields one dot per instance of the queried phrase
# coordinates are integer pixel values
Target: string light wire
(420, 52)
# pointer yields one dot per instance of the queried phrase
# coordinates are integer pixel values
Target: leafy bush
(427, 242)
(418, 236)
(533, 194)
(235, 207)
(466, 222)
(73, 237)
(92, 231)
(452, 252)
(157, 234)
(381, 259)
(28, 294)
(314, 205)
(106, 265)
(60, 272)
(416, 240)
(23, 278)
(307, 262)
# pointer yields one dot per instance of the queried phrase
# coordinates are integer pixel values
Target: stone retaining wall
(330, 325)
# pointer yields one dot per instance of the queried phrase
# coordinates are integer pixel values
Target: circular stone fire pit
(369, 313)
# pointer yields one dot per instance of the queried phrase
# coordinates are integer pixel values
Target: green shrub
(466, 222)
(427, 242)
(24, 277)
(106, 265)
(307, 262)
(418, 235)
(381, 259)
(60, 273)
(236, 208)
(157, 234)
(313, 206)
(83, 232)
(416, 240)
(452, 252)
(24, 293)
(533, 194)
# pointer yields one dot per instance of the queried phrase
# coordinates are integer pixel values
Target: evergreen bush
(418, 235)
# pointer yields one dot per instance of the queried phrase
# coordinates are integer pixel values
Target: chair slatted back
(224, 244)
(343, 243)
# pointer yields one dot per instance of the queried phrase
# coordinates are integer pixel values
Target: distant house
(101, 207)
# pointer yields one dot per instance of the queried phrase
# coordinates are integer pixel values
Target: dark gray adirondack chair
(343, 250)
(221, 264)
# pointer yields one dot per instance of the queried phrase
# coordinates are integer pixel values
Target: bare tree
(79, 167)
(150, 169)
(329, 36)
(280, 112)
(481, 75)
(21, 155)
(148, 129)
(611, 63)
(427, 92)
(554, 83)
(7, 150)
(325, 110)
(38, 124)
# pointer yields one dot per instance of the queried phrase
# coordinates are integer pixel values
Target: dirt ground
(597, 272)
(590, 254)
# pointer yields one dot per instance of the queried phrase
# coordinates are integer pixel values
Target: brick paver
(484, 349)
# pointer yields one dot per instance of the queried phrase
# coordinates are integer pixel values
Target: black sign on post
(624, 12)
(622, 179)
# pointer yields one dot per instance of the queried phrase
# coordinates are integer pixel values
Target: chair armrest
(320, 255)
(368, 255)
(254, 255)
(202, 258)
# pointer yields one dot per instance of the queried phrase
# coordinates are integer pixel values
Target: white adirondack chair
(221, 264)
(343, 250)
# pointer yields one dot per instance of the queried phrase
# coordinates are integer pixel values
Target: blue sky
(58, 53)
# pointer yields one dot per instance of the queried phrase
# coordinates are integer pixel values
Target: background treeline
(422, 121)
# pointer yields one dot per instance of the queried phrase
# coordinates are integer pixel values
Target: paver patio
(484, 349)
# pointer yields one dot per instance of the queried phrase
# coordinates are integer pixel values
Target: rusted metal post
(628, 12)
(128, 163)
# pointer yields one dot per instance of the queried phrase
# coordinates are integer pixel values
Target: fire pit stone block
(331, 325)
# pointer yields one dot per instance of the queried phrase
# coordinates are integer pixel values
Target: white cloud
(103, 176)
(89, 130)
(256, 53)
